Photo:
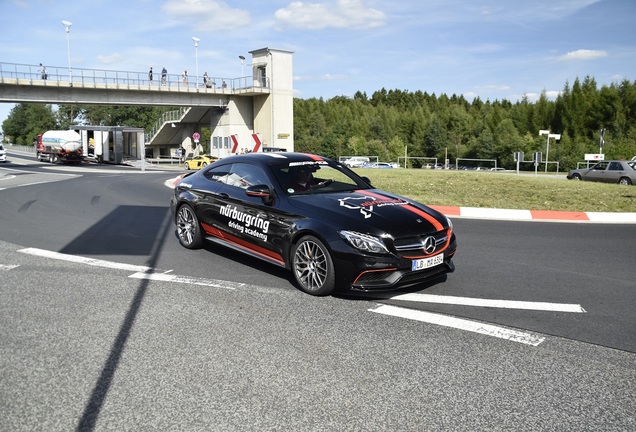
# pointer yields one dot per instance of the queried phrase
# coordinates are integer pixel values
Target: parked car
(3, 154)
(356, 161)
(610, 171)
(198, 162)
(377, 165)
(311, 215)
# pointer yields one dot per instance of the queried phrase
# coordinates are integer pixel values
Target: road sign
(196, 136)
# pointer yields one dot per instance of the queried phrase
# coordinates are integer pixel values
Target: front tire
(187, 166)
(188, 228)
(576, 177)
(313, 267)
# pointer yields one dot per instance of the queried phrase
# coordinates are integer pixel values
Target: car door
(614, 172)
(597, 172)
(248, 222)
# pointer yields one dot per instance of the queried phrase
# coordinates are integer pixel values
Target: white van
(356, 161)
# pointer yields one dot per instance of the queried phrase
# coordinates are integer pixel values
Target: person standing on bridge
(185, 77)
(164, 75)
(43, 74)
(150, 75)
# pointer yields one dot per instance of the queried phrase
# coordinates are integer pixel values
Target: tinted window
(244, 175)
(615, 166)
(218, 173)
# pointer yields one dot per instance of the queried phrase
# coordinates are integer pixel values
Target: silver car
(610, 171)
(3, 154)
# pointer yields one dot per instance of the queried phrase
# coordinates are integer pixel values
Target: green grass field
(503, 190)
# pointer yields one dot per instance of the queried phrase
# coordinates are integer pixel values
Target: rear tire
(313, 267)
(188, 228)
(625, 181)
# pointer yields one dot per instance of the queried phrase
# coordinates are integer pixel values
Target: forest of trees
(426, 125)
(436, 126)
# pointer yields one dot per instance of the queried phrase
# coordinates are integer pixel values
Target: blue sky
(494, 49)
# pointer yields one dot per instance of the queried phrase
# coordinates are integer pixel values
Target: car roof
(274, 157)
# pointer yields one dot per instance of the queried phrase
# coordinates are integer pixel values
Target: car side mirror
(262, 191)
(367, 180)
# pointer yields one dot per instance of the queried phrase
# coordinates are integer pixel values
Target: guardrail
(24, 148)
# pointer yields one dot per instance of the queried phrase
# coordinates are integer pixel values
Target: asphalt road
(108, 324)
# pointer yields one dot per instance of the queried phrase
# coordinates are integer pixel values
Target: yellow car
(199, 162)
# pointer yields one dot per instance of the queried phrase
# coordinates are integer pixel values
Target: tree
(26, 121)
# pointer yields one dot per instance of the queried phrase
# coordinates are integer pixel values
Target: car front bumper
(360, 272)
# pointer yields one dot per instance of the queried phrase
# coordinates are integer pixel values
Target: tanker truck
(59, 146)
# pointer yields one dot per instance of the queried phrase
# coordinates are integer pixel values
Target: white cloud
(207, 15)
(583, 54)
(494, 87)
(325, 77)
(341, 14)
(110, 59)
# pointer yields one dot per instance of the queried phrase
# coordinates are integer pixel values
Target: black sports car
(316, 217)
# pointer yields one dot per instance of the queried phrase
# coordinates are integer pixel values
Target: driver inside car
(302, 180)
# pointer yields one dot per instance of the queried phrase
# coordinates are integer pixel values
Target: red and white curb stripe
(536, 215)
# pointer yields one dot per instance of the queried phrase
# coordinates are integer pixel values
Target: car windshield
(309, 177)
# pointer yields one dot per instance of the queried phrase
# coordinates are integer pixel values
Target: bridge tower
(262, 104)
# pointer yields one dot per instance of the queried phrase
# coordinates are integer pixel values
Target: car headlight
(450, 222)
(364, 242)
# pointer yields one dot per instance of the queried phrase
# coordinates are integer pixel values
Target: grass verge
(503, 190)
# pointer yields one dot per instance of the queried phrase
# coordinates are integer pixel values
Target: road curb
(536, 215)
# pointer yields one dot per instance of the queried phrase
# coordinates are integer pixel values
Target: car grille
(412, 246)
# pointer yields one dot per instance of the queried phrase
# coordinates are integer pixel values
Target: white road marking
(141, 272)
(505, 304)
(187, 280)
(83, 260)
(8, 267)
(460, 324)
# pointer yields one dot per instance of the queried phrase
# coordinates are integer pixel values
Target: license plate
(425, 263)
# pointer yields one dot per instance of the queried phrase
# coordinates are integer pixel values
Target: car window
(615, 166)
(218, 173)
(244, 175)
(632, 165)
(600, 166)
(323, 178)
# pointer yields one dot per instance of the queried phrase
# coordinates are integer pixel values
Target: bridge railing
(167, 117)
(97, 78)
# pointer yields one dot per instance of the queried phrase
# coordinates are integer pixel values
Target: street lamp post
(242, 63)
(242, 72)
(556, 137)
(196, 58)
(68, 25)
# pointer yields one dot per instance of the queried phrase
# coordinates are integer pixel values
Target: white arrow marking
(187, 280)
(460, 324)
(506, 304)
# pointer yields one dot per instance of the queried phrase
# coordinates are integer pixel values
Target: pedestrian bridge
(26, 83)
(229, 106)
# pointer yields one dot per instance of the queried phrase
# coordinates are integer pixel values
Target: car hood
(372, 211)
